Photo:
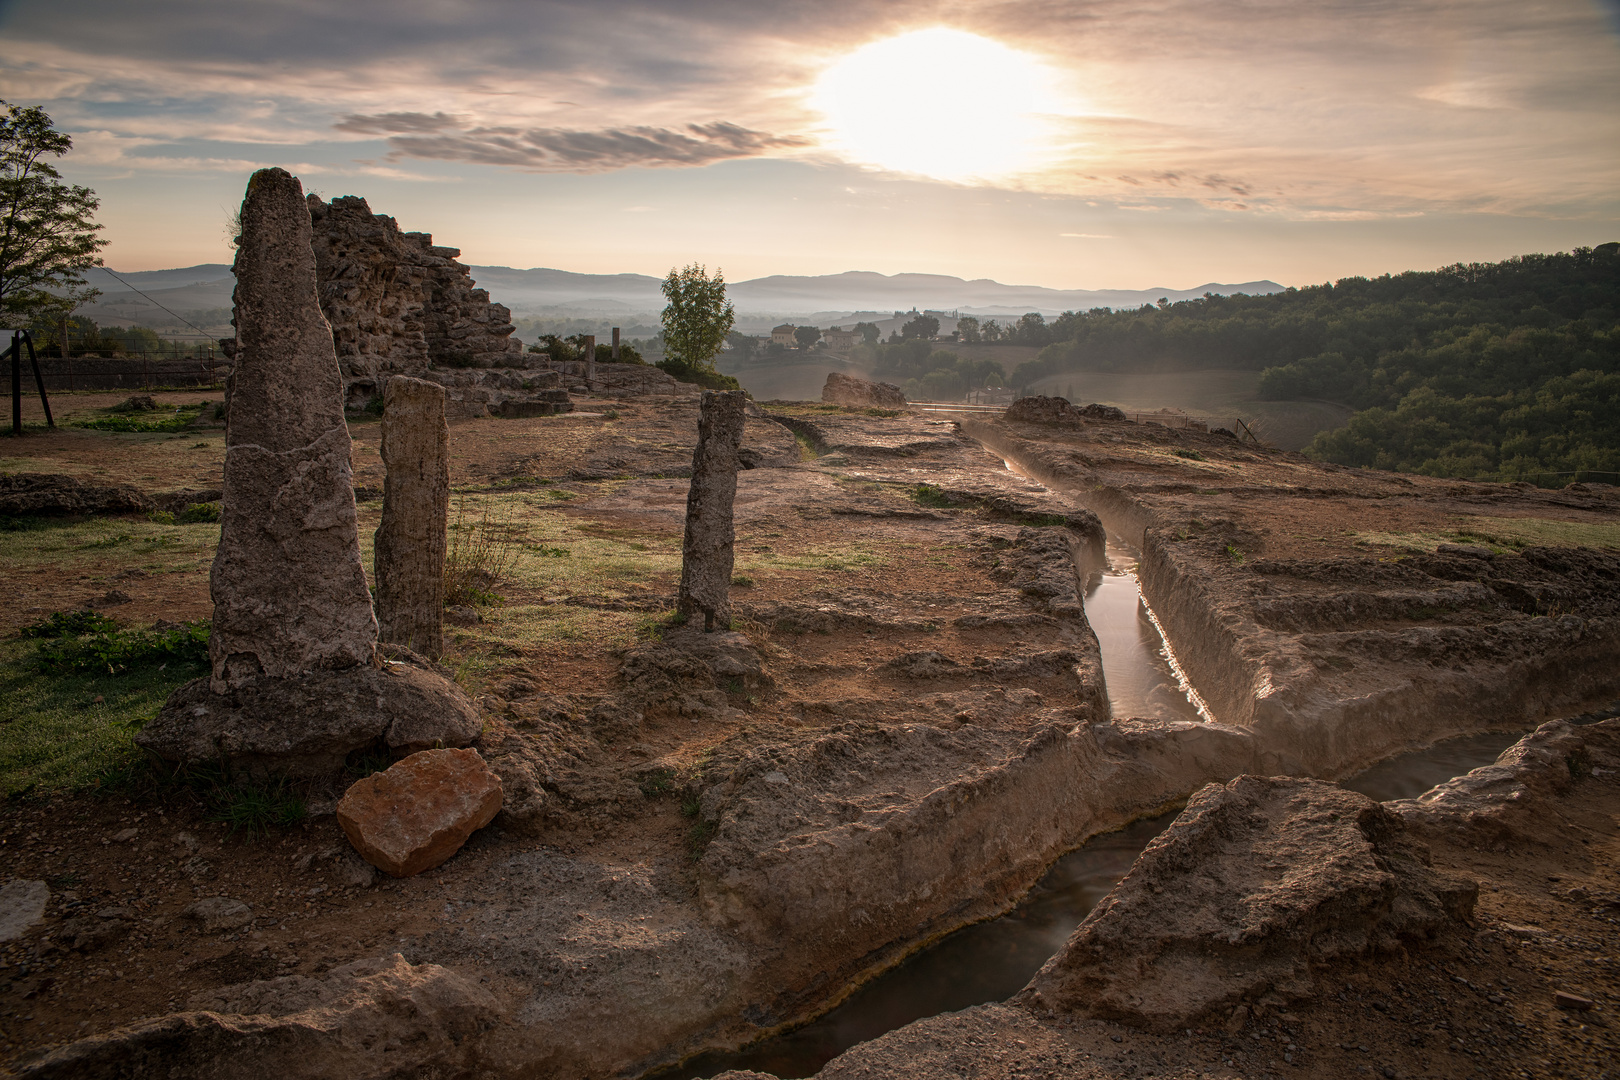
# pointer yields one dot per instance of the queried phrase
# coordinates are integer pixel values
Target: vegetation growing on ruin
(1505, 370)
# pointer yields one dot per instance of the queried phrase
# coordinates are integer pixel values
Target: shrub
(203, 511)
(482, 550)
(687, 373)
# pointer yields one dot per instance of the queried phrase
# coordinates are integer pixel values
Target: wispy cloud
(560, 150)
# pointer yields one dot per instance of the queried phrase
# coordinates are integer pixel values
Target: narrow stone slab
(288, 585)
(706, 550)
(410, 542)
(419, 812)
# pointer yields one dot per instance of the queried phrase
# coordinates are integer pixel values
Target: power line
(138, 292)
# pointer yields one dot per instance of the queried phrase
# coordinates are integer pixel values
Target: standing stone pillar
(410, 543)
(590, 361)
(615, 344)
(706, 551)
(288, 586)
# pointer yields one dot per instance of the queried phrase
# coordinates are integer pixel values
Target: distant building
(990, 395)
(783, 335)
(840, 340)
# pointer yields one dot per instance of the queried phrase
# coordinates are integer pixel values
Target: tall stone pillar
(288, 586)
(590, 361)
(706, 550)
(410, 542)
(615, 344)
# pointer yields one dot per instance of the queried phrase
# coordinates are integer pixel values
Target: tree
(806, 336)
(698, 317)
(869, 332)
(923, 327)
(743, 345)
(47, 228)
(968, 327)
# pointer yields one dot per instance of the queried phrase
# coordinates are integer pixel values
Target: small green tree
(806, 336)
(968, 327)
(698, 317)
(47, 228)
(869, 332)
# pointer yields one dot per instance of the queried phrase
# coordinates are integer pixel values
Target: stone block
(418, 813)
(706, 550)
(289, 589)
(410, 542)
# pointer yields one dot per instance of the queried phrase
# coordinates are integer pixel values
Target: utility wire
(138, 292)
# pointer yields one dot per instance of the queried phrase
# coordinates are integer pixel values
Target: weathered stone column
(288, 586)
(410, 542)
(615, 344)
(590, 361)
(706, 551)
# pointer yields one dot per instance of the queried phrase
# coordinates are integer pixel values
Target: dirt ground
(590, 506)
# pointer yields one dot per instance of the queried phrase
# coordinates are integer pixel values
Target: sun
(941, 103)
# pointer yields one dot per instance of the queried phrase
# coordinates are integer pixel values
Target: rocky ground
(705, 839)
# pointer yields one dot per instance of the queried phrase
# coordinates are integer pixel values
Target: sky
(1072, 144)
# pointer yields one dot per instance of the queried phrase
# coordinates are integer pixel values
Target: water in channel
(991, 961)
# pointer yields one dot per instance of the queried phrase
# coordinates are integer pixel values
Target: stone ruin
(399, 304)
(297, 682)
(706, 550)
(856, 393)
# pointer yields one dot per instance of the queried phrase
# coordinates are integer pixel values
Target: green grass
(1503, 535)
(54, 732)
(72, 546)
(161, 419)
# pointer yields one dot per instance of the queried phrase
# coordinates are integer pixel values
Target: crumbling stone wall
(399, 304)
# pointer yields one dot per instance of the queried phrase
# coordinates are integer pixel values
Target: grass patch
(161, 420)
(930, 496)
(807, 446)
(1528, 532)
(117, 651)
(1190, 455)
(72, 730)
(1502, 535)
(83, 546)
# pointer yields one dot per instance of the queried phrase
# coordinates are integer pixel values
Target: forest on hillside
(1506, 370)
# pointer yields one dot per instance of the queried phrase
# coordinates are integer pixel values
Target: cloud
(1086, 235)
(394, 123)
(559, 150)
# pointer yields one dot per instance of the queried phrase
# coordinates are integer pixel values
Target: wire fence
(130, 372)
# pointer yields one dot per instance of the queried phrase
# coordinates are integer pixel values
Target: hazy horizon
(1088, 146)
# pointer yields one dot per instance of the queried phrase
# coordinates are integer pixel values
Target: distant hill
(541, 291)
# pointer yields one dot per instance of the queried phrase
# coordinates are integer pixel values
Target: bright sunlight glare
(942, 103)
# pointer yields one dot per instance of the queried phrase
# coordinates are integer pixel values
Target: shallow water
(1410, 775)
(993, 960)
(989, 961)
(1138, 665)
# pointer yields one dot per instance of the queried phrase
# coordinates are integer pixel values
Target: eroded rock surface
(307, 725)
(289, 591)
(410, 542)
(1255, 882)
(382, 1018)
(418, 812)
(848, 390)
(52, 493)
